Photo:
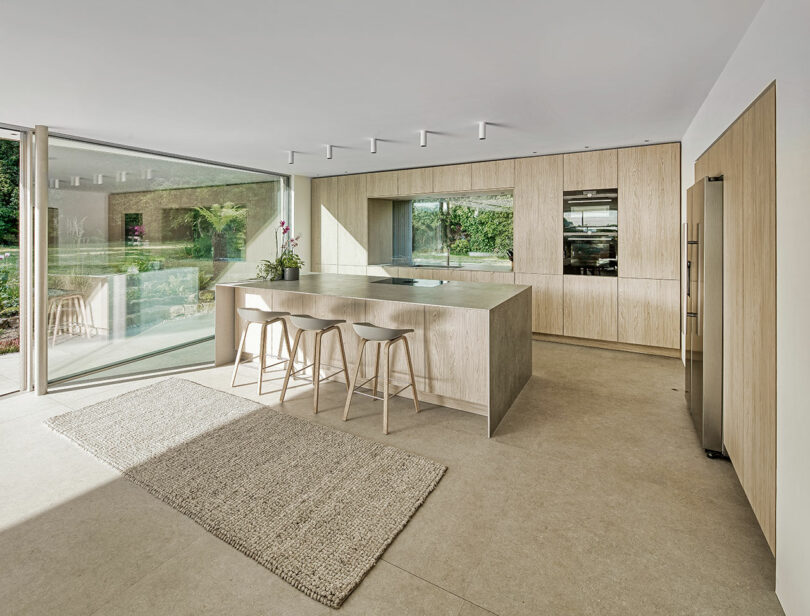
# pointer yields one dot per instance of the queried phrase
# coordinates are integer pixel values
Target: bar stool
(306, 323)
(265, 318)
(373, 333)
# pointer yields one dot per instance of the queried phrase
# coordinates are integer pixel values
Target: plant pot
(291, 273)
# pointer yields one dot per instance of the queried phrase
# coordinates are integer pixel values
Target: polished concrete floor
(594, 497)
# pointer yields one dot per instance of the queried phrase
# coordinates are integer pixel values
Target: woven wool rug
(314, 505)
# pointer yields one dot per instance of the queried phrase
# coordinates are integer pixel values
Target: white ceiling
(243, 82)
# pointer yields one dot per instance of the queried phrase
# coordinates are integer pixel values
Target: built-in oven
(591, 232)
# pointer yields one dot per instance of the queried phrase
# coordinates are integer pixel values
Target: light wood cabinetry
(382, 184)
(759, 309)
(745, 155)
(493, 174)
(597, 169)
(324, 216)
(547, 301)
(380, 231)
(465, 333)
(649, 311)
(352, 220)
(415, 181)
(590, 307)
(538, 242)
(451, 178)
(649, 211)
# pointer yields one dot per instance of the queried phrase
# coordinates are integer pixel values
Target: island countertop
(474, 295)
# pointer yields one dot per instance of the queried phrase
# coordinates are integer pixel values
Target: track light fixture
(55, 183)
(98, 179)
(482, 130)
(373, 145)
(290, 157)
(422, 138)
(75, 180)
(121, 176)
(329, 152)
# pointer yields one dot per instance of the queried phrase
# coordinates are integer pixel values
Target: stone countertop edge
(453, 294)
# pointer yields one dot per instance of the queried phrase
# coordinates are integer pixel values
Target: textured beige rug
(314, 505)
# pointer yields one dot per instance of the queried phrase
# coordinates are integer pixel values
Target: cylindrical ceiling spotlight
(373, 145)
(290, 157)
(329, 152)
(75, 180)
(482, 130)
(422, 138)
(148, 174)
(98, 179)
(121, 176)
(55, 183)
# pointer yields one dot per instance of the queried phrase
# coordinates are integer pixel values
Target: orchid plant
(286, 256)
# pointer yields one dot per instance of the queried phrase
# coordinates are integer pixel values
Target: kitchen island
(471, 344)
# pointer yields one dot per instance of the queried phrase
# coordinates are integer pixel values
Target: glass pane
(463, 230)
(9, 264)
(136, 244)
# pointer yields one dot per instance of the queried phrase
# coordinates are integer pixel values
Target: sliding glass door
(136, 244)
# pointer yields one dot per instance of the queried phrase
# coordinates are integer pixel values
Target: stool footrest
(391, 395)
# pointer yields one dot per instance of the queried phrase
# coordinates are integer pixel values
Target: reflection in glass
(137, 243)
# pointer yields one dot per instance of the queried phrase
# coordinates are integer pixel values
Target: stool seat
(369, 331)
(256, 315)
(313, 324)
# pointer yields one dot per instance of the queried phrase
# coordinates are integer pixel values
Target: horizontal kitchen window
(454, 231)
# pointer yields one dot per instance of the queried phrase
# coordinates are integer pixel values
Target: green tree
(221, 221)
(9, 192)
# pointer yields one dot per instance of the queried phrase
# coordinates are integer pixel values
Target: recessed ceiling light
(534, 152)
(587, 146)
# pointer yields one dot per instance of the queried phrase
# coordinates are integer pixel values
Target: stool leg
(239, 354)
(377, 367)
(349, 393)
(285, 340)
(410, 370)
(343, 357)
(316, 369)
(262, 354)
(57, 320)
(85, 320)
(386, 379)
(290, 364)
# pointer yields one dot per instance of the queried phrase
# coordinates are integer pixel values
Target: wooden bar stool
(306, 323)
(264, 318)
(373, 333)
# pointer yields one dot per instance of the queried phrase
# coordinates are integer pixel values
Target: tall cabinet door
(538, 222)
(352, 229)
(649, 211)
(324, 217)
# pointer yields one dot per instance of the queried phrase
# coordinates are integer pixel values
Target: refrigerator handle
(699, 307)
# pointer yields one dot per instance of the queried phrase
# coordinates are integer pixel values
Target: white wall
(86, 209)
(300, 194)
(777, 46)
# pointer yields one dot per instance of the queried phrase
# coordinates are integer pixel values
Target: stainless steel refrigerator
(703, 322)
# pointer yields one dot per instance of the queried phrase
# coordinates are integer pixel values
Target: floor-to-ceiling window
(136, 244)
(9, 261)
